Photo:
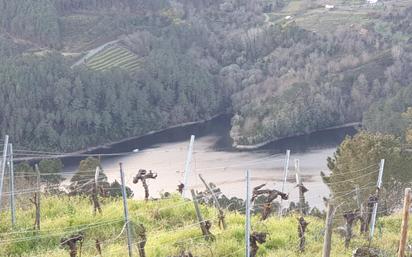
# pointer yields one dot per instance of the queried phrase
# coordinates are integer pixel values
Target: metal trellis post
(285, 176)
(375, 206)
(11, 183)
(3, 167)
(126, 212)
(187, 165)
(247, 223)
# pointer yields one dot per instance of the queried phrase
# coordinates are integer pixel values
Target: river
(165, 153)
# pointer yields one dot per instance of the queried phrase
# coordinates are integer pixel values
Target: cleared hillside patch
(323, 21)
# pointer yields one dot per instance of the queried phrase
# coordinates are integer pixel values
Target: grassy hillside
(171, 227)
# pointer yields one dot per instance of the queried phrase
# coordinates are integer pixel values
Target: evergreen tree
(356, 163)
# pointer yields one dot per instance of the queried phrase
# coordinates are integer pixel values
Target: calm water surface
(165, 153)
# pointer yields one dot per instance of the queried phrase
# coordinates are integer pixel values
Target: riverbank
(260, 145)
(108, 145)
(166, 152)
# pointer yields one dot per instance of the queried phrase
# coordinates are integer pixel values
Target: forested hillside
(323, 81)
(393, 114)
(171, 62)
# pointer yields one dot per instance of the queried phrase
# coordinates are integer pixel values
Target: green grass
(171, 227)
(114, 56)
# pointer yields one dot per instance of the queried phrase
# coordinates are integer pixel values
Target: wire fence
(85, 179)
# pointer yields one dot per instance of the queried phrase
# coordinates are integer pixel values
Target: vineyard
(114, 56)
(95, 216)
(171, 227)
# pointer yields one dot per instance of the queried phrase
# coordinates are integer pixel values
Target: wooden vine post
(71, 243)
(328, 230)
(142, 240)
(350, 217)
(255, 239)
(302, 189)
(222, 222)
(405, 220)
(362, 218)
(202, 223)
(303, 224)
(98, 247)
(36, 199)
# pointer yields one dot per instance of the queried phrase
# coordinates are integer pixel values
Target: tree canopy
(355, 164)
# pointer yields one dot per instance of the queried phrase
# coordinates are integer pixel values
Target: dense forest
(198, 59)
(48, 105)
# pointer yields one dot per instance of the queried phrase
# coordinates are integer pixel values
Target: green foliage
(115, 190)
(84, 180)
(386, 115)
(35, 20)
(41, 21)
(407, 119)
(26, 174)
(24, 169)
(50, 170)
(355, 164)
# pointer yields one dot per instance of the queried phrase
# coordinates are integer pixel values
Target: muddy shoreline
(120, 141)
(260, 145)
(235, 147)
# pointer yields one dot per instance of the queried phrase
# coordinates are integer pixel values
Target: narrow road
(267, 19)
(93, 52)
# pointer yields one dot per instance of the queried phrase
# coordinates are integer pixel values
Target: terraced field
(315, 17)
(114, 56)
